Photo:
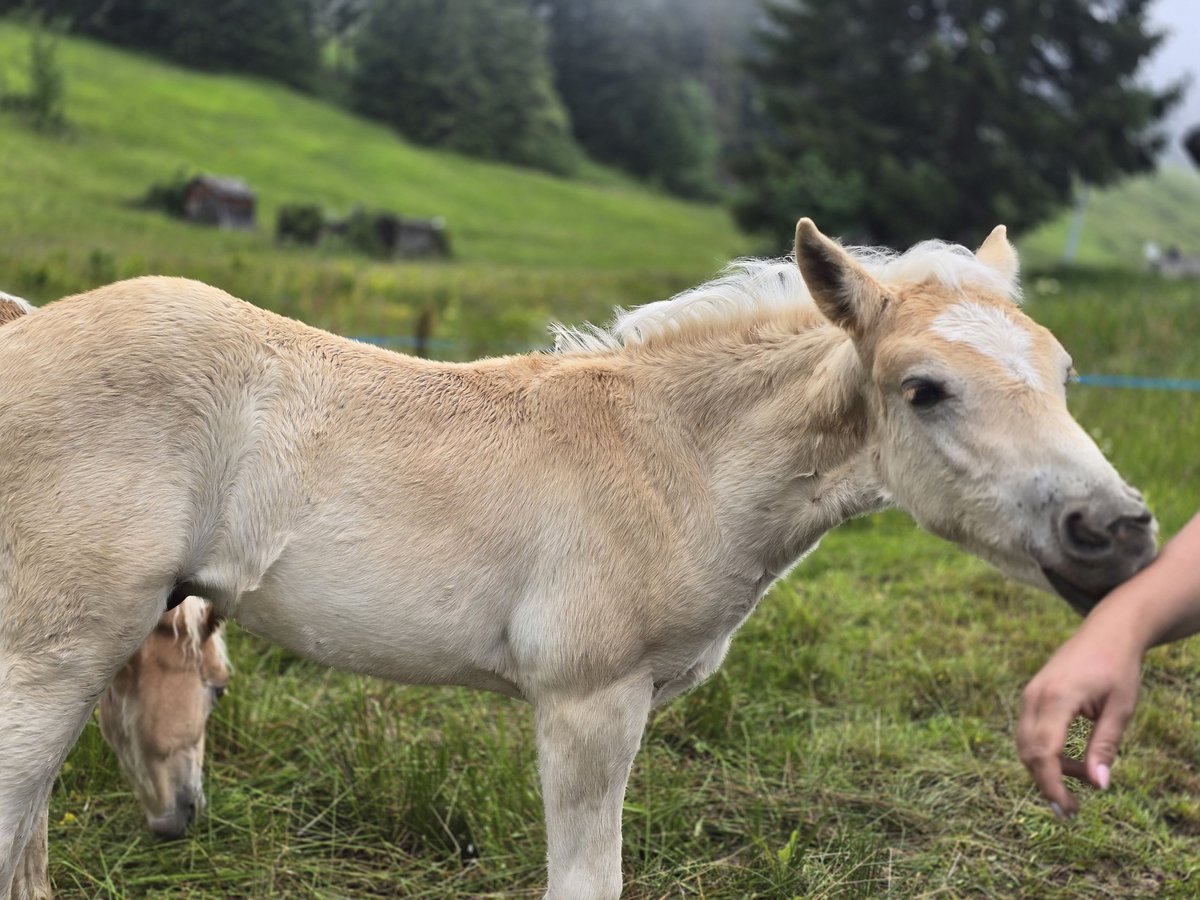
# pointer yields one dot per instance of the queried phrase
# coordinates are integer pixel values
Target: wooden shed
(225, 202)
(412, 238)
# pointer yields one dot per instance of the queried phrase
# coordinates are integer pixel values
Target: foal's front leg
(586, 745)
(32, 878)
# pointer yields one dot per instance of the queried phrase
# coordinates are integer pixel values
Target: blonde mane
(188, 626)
(12, 307)
(762, 289)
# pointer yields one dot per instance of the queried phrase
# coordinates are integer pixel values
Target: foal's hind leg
(586, 745)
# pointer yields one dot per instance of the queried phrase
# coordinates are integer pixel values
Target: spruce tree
(893, 122)
(467, 75)
(631, 102)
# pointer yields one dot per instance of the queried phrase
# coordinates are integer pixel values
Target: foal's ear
(999, 255)
(844, 292)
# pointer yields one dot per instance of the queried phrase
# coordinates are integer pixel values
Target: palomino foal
(584, 529)
(154, 713)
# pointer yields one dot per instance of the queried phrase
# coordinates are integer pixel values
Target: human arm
(1096, 673)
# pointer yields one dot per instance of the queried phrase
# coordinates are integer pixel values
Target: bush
(44, 103)
(46, 82)
(169, 196)
(360, 231)
(301, 223)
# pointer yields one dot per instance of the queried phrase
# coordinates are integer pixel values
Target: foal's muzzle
(1100, 544)
(173, 824)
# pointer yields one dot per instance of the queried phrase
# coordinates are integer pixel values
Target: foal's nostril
(1129, 530)
(1083, 538)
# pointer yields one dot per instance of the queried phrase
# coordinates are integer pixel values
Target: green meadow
(1161, 208)
(858, 740)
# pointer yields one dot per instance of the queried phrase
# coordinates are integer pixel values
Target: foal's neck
(777, 425)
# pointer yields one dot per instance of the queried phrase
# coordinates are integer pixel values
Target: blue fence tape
(1144, 384)
(1134, 382)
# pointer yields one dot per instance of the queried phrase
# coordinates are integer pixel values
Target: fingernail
(1057, 810)
(1102, 775)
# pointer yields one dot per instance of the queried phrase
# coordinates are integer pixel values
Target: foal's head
(968, 395)
(153, 715)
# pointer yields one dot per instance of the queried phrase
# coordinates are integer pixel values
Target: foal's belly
(395, 628)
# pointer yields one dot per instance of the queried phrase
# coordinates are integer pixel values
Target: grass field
(858, 740)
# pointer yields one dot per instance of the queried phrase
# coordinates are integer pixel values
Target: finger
(1105, 741)
(1074, 768)
(1041, 734)
(1047, 773)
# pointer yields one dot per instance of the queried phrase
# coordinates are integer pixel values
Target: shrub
(299, 222)
(47, 86)
(44, 102)
(169, 196)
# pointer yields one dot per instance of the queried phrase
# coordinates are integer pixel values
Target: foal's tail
(13, 307)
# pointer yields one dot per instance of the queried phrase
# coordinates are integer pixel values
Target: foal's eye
(217, 692)
(921, 393)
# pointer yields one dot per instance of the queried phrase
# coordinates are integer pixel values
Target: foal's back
(370, 510)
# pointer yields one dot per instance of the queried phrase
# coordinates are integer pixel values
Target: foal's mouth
(1082, 599)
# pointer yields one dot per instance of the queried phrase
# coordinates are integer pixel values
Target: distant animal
(153, 714)
(584, 529)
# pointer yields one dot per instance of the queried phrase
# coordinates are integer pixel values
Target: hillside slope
(66, 218)
(1163, 208)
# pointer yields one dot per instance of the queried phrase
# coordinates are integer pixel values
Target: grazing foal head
(969, 400)
(153, 714)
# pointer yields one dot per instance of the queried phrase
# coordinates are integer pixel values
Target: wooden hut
(225, 202)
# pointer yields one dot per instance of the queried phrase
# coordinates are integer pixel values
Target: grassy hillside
(557, 246)
(1163, 207)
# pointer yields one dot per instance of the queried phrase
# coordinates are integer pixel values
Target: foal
(584, 530)
(154, 712)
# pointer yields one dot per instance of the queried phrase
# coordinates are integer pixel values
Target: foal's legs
(586, 745)
(32, 879)
(51, 673)
(39, 727)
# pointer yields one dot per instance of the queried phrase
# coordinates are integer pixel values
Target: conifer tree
(899, 121)
(468, 75)
(629, 96)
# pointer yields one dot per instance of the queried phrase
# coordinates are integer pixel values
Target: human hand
(1094, 674)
